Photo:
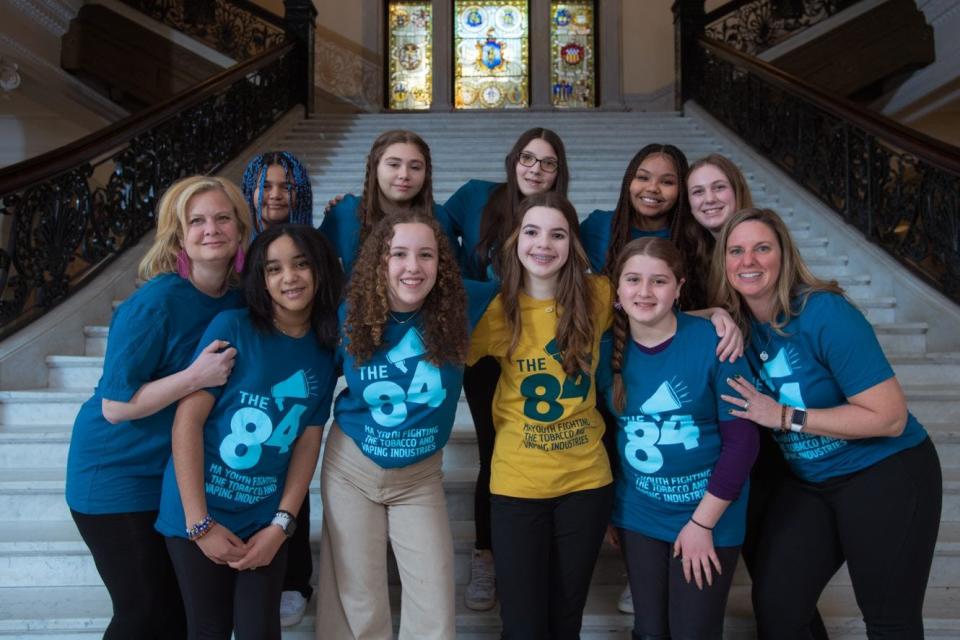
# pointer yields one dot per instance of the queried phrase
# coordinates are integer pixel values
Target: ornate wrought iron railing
(753, 26)
(66, 214)
(236, 28)
(899, 187)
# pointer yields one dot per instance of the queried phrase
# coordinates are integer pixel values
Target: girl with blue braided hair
(277, 188)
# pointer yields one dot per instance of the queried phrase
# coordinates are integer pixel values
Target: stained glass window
(572, 58)
(411, 55)
(490, 54)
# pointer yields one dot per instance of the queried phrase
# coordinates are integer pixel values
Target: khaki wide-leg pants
(364, 506)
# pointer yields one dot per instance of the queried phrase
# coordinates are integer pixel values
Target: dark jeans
(479, 385)
(135, 567)
(882, 520)
(768, 473)
(220, 600)
(665, 605)
(299, 555)
(546, 550)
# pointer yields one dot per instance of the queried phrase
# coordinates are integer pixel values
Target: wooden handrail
(936, 152)
(50, 164)
(262, 13)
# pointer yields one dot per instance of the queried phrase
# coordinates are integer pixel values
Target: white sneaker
(481, 593)
(292, 607)
(625, 603)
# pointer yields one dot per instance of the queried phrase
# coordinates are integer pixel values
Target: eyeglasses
(549, 165)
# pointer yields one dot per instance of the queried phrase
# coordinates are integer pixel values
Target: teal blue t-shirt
(342, 228)
(595, 236)
(829, 354)
(398, 407)
(669, 438)
(118, 468)
(464, 210)
(278, 387)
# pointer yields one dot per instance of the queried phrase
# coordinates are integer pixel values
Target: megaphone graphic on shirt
(779, 367)
(664, 399)
(410, 346)
(296, 386)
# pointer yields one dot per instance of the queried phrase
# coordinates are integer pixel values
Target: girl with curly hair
(277, 188)
(483, 215)
(398, 177)
(405, 327)
(680, 506)
(121, 437)
(244, 452)
(550, 476)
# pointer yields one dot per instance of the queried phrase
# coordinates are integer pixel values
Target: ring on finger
(746, 405)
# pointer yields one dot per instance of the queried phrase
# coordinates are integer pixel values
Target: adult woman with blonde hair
(405, 327)
(865, 485)
(121, 437)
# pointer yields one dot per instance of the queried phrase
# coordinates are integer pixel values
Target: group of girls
(492, 291)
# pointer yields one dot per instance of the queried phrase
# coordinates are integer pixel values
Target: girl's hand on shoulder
(214, 364)
(221, 545)
(261, 548)
(757, 407)
(334, 201)
(730, 346)
(694, 547)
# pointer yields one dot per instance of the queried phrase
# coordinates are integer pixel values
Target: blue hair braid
(255, 175)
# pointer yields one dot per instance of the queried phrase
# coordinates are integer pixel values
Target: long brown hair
(370, 211)
(502, 214)
(795, 282)
(660, 249)
(443, 314)
(574, 296)
(705, 245)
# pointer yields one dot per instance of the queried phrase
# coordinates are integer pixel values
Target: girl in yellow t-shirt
(550, 481)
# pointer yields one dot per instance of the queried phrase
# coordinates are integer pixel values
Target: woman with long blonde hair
(121, 437)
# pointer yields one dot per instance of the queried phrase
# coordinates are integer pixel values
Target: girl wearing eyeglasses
(483, 214)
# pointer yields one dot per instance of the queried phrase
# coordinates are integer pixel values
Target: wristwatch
(798, 420)
(286, 522)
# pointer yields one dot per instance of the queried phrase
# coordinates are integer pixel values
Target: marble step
(504, 137)
(53, 554)
(354, 160)
(37, 494)
(46, 446)
(927, 368)
(81, 613)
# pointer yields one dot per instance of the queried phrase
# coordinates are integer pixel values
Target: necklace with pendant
(764, 356)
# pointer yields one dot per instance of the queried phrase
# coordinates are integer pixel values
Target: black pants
(479, 385)
(220, 600)
(768, 473)
(135, 567)
(545, 554)
(883, 521)
(665, 605)
(299, 555)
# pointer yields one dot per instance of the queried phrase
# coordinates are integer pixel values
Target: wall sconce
(9, 75)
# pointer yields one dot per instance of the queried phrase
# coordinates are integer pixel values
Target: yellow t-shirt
(549, 431)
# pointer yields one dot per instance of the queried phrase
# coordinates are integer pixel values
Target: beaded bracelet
(783, 418)
(201, 529)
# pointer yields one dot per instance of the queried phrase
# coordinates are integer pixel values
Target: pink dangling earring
(239, 259)
(183, 264)
(617, 305)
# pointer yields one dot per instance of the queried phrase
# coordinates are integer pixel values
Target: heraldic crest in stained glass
(410, 56)
(491, 52)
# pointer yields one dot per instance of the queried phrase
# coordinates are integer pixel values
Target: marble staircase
(49, 587)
